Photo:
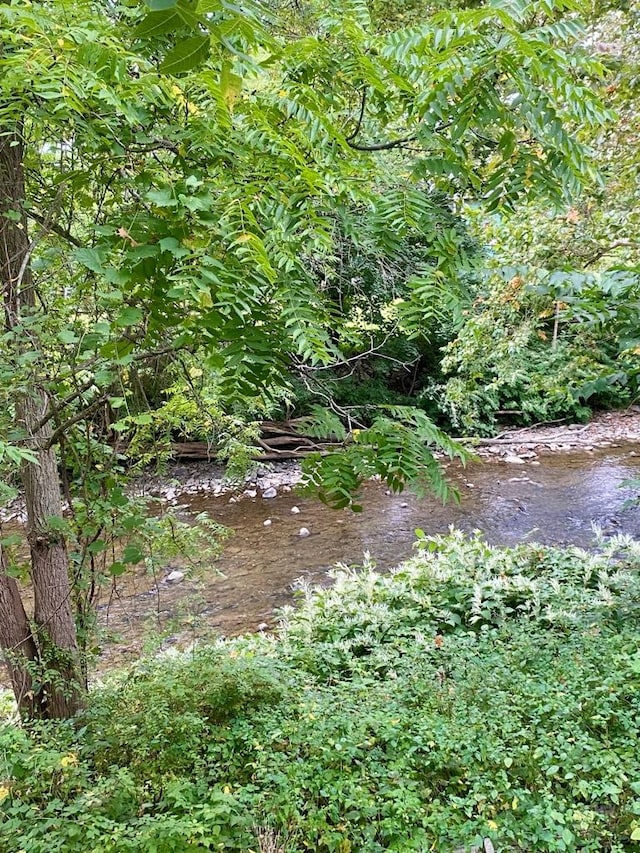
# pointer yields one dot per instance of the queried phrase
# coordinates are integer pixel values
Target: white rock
(270, 493)
(295, 510)
(250, 493)
(267, 523)
(175, 576)
(514, 460)
(404, 505)
(304, 531)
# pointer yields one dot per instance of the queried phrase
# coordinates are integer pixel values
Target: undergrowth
(474, 693)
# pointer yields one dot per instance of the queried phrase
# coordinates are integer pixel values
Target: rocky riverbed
(513, 446)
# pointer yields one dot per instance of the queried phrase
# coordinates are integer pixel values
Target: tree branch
(363, 104)
(619, 244)
(54, 228)
(382, 146)
(80, 416)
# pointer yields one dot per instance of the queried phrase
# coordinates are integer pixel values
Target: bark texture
(51, 643)
(17, 642)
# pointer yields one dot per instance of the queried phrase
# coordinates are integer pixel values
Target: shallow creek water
(553, 502)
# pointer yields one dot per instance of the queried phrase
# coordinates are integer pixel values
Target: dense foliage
(553, 332)
(472, 693)
(259, 195)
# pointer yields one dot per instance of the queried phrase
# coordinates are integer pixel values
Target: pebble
(304, 532)
(175, 576)
(295, 510)
(404, 505)
(267, 523)
(250, 493)
(514, 460)
(270, 493)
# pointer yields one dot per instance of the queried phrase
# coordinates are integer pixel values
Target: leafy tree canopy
(175, 177)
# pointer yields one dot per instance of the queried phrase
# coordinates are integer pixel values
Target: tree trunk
(17, 642)
(58, 687)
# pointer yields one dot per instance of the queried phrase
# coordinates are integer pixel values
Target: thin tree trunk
(16, 640)
(53, 614)
(58, 689)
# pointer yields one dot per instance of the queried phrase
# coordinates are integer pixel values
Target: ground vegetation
(474, 694)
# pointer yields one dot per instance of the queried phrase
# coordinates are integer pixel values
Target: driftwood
(278, 441)
(515, 442)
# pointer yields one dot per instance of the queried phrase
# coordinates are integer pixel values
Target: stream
(554, 500)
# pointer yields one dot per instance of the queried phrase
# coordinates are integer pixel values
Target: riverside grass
(473, 693)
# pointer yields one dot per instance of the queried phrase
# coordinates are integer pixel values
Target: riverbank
(513, 446)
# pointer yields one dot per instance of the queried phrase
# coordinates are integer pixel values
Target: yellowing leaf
(230, 85)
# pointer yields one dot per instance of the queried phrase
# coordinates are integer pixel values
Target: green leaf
(128, 317)
(161, 5)
(186, 55)
(132, 554)
(67, 336)
(118, 499)
(116, 569)
(93, 259)
(157, 23)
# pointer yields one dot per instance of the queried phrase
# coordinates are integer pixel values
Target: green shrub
(473, 692)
